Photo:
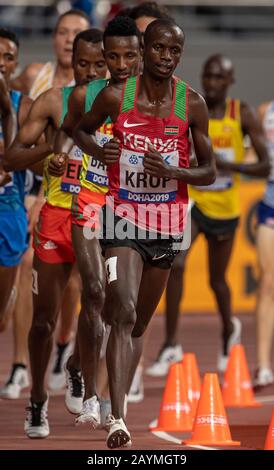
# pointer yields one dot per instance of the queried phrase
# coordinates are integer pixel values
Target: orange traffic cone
(192, 379)
(237, 387)
(269, 442)
(175, 411)
(211, 426)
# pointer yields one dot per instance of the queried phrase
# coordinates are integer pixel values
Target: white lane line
(167, 437)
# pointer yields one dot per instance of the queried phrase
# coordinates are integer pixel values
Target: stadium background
(241, 29)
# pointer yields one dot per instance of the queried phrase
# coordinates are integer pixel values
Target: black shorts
(221, 229)
(265, 215)
(158, 252)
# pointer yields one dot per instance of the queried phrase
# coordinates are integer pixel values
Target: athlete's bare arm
(262, 108)
(106, 104)
(24, 110)
(7, 113)
(63, 141)
(252, 127)
(76, 109)
(9, 121)
(45, 110)
(26, 103)
(204, 173)
(25, 80)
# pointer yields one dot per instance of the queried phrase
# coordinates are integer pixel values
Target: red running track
(199, 334)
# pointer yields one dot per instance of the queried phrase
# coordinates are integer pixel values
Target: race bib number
(224, 180)
(138, 186)
(70, 180)
(97, 171)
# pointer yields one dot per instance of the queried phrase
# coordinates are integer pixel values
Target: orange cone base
(192, 442)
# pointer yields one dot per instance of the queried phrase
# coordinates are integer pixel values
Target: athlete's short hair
(8, 34)
(121, 26)
(93, 35)
(71, 12)
(219, 58)
(166, 22)
(150, 9)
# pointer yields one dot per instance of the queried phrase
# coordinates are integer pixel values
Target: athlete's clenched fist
(57, 164)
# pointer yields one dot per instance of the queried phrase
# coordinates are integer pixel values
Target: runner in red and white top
(138, 258)
(129, 184)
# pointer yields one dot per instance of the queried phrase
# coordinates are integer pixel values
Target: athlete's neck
(157, 91)
(216, 109)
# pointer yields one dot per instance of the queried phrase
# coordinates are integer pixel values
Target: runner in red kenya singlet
(129, 184)
(148, 173)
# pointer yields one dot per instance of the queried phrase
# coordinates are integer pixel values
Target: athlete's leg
(11, 302)
(90, 325)
(124, 273)
(49, 282)
(22, 315)
(64, 344)
(174, 291)
(102, 374)
(219, 253)
(23, 310)
(152, 286)
(102, 379)
(74, 360)
(136, 389)
(171, 351)
(265, 298)
(103, 391)
(70, 304)
(7, 281)
(18, 378)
